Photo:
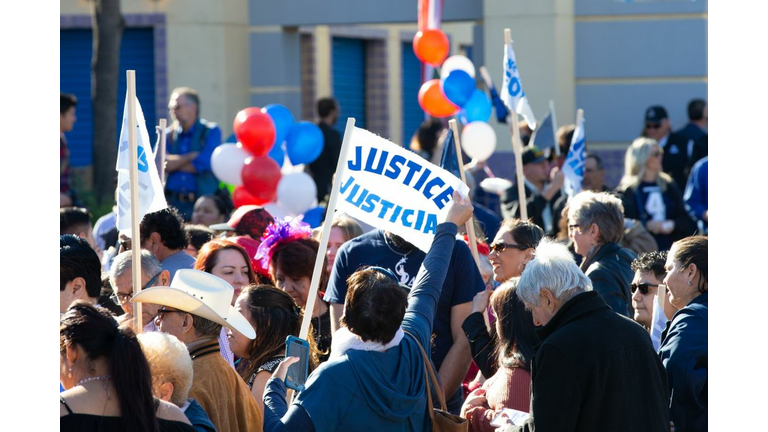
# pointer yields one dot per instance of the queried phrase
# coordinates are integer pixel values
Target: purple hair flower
(280, 231)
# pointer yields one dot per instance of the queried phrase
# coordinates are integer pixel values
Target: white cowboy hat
(202, 294)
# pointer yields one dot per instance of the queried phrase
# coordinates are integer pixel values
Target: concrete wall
(206, 46)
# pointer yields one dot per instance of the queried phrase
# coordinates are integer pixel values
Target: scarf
(344, 340)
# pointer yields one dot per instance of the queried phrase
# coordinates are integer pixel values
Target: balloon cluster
(251, 168)
(455, 93)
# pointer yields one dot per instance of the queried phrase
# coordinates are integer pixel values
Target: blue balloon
(304, 143)
(477, 108)
(282, 118)
(458, 87)
(277, 154)
(314, 217)
(231, 140)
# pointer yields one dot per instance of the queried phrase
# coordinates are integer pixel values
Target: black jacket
(611, 273)
(596, 371)
(481, 343)
(675, 208)
(510, 207)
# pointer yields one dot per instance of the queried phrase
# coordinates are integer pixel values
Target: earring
(689, 283)
(69, 374)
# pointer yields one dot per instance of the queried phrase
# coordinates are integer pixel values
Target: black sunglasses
(643, 287)
(500, 247)
(164, 310)
(652, 125)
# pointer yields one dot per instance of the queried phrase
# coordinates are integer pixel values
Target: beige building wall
(207, 49)
(543, 36)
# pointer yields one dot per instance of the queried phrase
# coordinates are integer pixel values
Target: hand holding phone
(297, 373)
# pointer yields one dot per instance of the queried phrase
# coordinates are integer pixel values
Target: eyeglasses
(643, 287)
(165, 310)
(652, 125)
(657, 153)
(573, 227)
(500, 247)
(121, 299)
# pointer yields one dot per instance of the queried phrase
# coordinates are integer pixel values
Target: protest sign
(391, 188)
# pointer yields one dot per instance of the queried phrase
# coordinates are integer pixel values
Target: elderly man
(79, 271)
(162, 233)
(191, 143)
(649, 274)
(171, 368)
(594, 370)
(152, 274)
(194, 309)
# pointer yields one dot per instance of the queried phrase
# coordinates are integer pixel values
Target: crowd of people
(590, 315)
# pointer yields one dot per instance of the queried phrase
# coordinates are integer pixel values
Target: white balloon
(296, 192)
(227, 163)
(479, 140)
(457, 62)
(276, 210)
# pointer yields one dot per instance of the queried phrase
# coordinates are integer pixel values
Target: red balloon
(261, 174)
(431, 46)
(255, 130)
(241, 197)
(433, 100)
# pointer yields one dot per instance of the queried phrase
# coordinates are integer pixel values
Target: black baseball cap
(532, 154)
(655, 114)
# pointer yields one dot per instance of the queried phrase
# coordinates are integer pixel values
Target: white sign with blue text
(391, 188)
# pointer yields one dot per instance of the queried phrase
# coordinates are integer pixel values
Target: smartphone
(297, 372)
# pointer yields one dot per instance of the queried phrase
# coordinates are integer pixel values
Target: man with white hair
(595, 369)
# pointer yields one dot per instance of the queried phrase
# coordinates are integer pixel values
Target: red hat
(250, 220)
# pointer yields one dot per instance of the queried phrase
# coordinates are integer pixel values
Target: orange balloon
(433, 100)
(431, 46)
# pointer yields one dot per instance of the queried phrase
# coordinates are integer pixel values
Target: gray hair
(553, 268)
(603, 209)
(204, 326)
(150, 265)
(169, 361)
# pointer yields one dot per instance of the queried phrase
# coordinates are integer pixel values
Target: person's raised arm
(424, 296)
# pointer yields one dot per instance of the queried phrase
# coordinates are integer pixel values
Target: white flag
(151, 196)
(389, 187)
(658, 323)
(512, 88)
(573, 167)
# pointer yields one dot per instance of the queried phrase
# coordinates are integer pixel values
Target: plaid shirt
(64, 165)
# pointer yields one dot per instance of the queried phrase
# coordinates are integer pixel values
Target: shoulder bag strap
(428, 369)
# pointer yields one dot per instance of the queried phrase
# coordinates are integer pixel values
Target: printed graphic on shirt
(654, 204)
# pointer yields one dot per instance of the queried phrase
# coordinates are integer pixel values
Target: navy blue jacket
(683, 352)
(611, 273)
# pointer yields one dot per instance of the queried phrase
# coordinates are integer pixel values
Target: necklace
(104, 385)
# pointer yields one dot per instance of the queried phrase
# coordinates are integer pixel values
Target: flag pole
(470, 224)
(318, 271)
(554, 126)
(517, 147)
(160, 152)
(134, 179)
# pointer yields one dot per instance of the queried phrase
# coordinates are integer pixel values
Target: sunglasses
(652, 125)
(500, 247)
(643, 287)
(120, 299)
(657, 153)
(165, 310)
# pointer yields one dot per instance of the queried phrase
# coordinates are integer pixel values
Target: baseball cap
(532, 154)
(655, 114)
(250, 220)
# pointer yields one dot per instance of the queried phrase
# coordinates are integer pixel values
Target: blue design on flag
(573, 167)
(512, 93)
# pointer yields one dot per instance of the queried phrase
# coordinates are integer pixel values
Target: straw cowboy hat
(202, 294)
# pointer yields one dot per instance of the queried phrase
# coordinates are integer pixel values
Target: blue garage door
(76, 51)
(349, 80)
(413, 115)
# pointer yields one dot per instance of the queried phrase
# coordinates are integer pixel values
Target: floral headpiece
(482, 247)
(280, 231)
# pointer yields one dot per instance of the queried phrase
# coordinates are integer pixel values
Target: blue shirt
(462, 282)
(184, 182)
(697, 191)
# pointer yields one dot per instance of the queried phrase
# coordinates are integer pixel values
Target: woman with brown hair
(290, 253)
(228, 260)
(107, 379)
(274, 315)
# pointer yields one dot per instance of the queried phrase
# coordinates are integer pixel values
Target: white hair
(169, 361)
(554, 268)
